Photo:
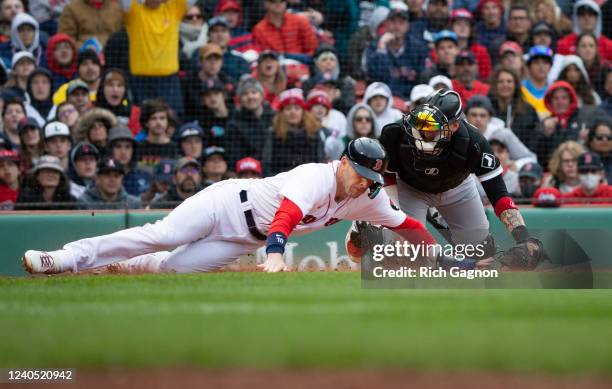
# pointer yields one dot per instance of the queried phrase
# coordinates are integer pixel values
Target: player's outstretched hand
(274, 263)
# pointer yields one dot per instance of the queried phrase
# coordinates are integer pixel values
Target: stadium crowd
(114, 104)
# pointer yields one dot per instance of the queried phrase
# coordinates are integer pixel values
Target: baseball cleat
(41, 262)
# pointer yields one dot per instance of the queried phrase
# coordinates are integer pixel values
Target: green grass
(298, 320)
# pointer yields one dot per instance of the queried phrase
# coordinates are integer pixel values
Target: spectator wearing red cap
(519, 25)
(296, 138)
(462, 24)
(465, 82)
(592, 189)
(319, 104)
(232, 11)
(284, 32)
(9, 179)
(491, 25)
(511, 57)
(249, 168)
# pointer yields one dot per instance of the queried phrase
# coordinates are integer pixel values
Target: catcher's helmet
(369, 159)
(448, 102)
(428, 130)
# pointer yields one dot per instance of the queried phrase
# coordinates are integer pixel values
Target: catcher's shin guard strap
(276, 243)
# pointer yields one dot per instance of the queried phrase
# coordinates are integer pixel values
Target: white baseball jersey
(209, 229)
(312, 187)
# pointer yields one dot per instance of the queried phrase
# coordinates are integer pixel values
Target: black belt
(250, 220)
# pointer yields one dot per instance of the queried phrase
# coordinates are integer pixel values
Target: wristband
(276, 243)
(520, 234)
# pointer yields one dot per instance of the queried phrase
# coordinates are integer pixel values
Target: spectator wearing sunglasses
(600, 142)
(193, 31)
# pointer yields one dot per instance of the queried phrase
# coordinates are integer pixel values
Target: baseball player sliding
(234, 217)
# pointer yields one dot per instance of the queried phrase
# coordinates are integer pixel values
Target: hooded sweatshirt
(42, 106)
(567, 127)
(15, 45)
(92, 199)
(577, 61)
(390, 114)
(61, 75)
(567, 44)
(519, 153)
(335, 146)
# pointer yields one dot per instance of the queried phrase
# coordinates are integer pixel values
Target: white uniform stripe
(490, 175)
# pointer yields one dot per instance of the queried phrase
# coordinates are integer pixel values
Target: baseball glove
(365, 236)
(526, 255)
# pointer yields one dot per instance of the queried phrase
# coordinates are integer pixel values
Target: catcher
(432, 153)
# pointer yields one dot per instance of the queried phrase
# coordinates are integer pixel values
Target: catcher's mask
(428, 129)
(369, 159)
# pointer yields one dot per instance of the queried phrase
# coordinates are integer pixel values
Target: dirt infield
(297, 379)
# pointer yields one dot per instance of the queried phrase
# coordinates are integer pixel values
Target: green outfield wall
(568, 233)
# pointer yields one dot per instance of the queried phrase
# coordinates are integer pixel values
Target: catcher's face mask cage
(428, 129)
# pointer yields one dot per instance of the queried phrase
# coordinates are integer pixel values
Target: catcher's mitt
(526, 255)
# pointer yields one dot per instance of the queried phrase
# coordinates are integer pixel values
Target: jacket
(296, 150)
(390, 114)
(31, 198)
(570, 122)
(61, 75)
(92, 199)
(248, 136)
(295, 36)
(81, 20)
(567, 44)
(87, 120)
(398, 70)
(524, 124)
(519, 153)
(37, 48)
